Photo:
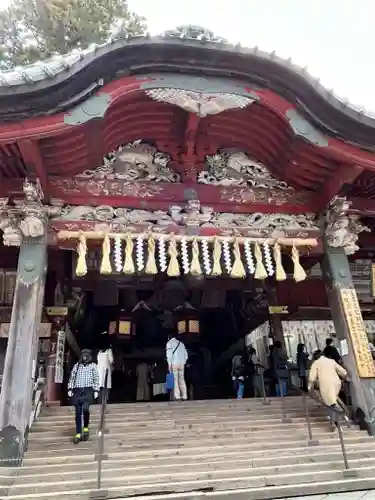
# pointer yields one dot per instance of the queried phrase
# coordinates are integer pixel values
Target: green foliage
(33, 30)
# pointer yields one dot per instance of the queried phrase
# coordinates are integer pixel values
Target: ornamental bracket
(342, 228)
(27, 217)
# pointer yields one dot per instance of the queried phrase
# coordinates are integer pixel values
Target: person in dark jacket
(252, 367)
(302, 361)
(83, 389)
(238, 375)
(331, 352)
(280, 367)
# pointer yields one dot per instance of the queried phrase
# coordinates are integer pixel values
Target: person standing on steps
(83, 389)
(143, 382)
(280, 367)
(177, 357)
(326, 374)
(330, 351)
(105, 364)
(238, 375)
(302, 361)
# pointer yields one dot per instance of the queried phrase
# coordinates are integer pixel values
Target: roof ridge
(57, 64)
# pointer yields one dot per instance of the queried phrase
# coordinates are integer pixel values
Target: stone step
(191, 406)
(187, 482)
(266, 413)
(263, 410)
(295, 456)
(190, 449)
(255, 441)
(271, 492)
(44, 426)
(242, 449)
(233, 428)
(222, 403)
(177, 435)
(157, 471)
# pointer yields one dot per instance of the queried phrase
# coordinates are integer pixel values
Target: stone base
(98, 495)
(347, 473)
(313, 442)
(11, 447)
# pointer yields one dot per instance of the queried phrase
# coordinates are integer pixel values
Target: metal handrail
(340, 413)
(38, 399)
(260, 371)
(99, 493)
(37, 402)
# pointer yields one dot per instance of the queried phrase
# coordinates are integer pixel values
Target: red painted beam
(159, 196)
(31, 155)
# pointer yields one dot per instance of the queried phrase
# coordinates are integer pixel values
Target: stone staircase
(199, 448)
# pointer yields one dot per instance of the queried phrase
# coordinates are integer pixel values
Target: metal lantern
(123, 326)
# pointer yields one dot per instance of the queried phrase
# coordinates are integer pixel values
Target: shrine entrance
(211, 316)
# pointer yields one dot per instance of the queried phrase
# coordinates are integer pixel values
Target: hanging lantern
(123, 326)
(187, 322)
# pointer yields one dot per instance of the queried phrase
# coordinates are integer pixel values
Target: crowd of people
(90, 381)
(323, 373)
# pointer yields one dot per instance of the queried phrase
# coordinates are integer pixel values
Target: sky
(334, 39)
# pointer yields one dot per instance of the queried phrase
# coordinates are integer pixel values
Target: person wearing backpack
(238, 375)
(177, 357)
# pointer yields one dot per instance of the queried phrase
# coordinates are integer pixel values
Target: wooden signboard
(56, 311)
(60, 351)
(357, 332)
(44, 330)
(278, 309)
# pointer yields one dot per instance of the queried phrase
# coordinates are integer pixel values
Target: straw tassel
(238, 269)
(216, 269)
(105, 266)
(151, 267)
(280, 273)
(299, 272)
(81, 269)
(129, 263)
(173, 266)
(260, 270)
(195, 266)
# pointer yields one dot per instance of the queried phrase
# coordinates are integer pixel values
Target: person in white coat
(105, 363)
(177, 357)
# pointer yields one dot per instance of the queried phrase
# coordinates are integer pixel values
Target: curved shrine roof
(191, 95)
(63, 81)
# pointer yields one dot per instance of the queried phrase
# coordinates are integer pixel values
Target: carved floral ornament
(193, 215)
(137, 160)
(341, 227)
(140, 161)
(235, 168)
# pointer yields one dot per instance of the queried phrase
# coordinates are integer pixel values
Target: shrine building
(180, 182)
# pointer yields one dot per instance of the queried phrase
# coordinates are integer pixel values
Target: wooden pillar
(276, 324)
(21, 354)
(57, 316)
(347, 318)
